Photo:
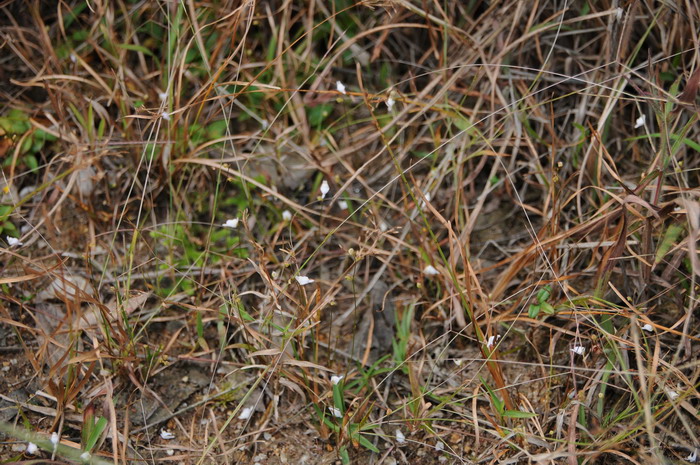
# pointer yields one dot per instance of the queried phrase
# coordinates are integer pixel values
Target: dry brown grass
(505, 264)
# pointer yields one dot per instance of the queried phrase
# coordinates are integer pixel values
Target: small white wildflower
(400, 438)
(430, 271)
(286, 215)
(335, 379)
(303, 280)
(619, 13)
(32, 448)
(458, 362)
(342, 204)
(692, 458)
(163, 96)
(85, 456)
(578, 350)
(390, 102)
(165, 115)
(13, 241)
(170, 452)
(264, 124)
(649, 328)
(246, 413)
(673, 395)
(383, 227)
(640, 121)
(55, 438)
(232, 224)
(492, 340)
(165, 434)
(324, 189)
(340, 87)
(439, 445)
(427, 199)
(336, 412)
(73, 58)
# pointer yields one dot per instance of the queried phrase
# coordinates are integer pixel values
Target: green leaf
(669, 240)
(136, 48)
(544, 294)
(518, 414)
(547, 308)
(319, 113)
(95, 433)
(533, 311)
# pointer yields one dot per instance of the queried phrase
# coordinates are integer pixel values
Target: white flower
(264, 124)
(54, 439)
(430, 271)
(458, 362)
(578, 350)
(427, 199)
(85, 456)
(233, 223)
(246, 413)
(342, 204)
(335, 379)
(692, 458)
(32, 448)
(640, 121)
(400, 438)
(336, 412)
(673, 395)
(303, 280)
(163, 96)
(324, 189)
(390, 102)
(440, 445)
(286, 215)
(170, 451)
(13, 241)
(492, 340)
(649, 328)
(73, 58)
(165, 115)
(340, 87)
(165, 434)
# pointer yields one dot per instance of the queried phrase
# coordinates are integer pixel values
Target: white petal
(231, 223)
(430, 270)
(400, 438)
(165, 115)
(324, 189)
(342, 204)
(390, 102)
(165, 434)
(649, 328)
(640, 121)
(336, 412)
(490, 342)
(692, 458)
(85, 456)
(286, 215)
(246, 413)
(32, 448)
(55, 438)
(13, 241)
(335, 379)
(304, 280)
(163, 96)
(673, 395)
(340, 87)
(73, 58)
(579, 350)
(440, 445)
